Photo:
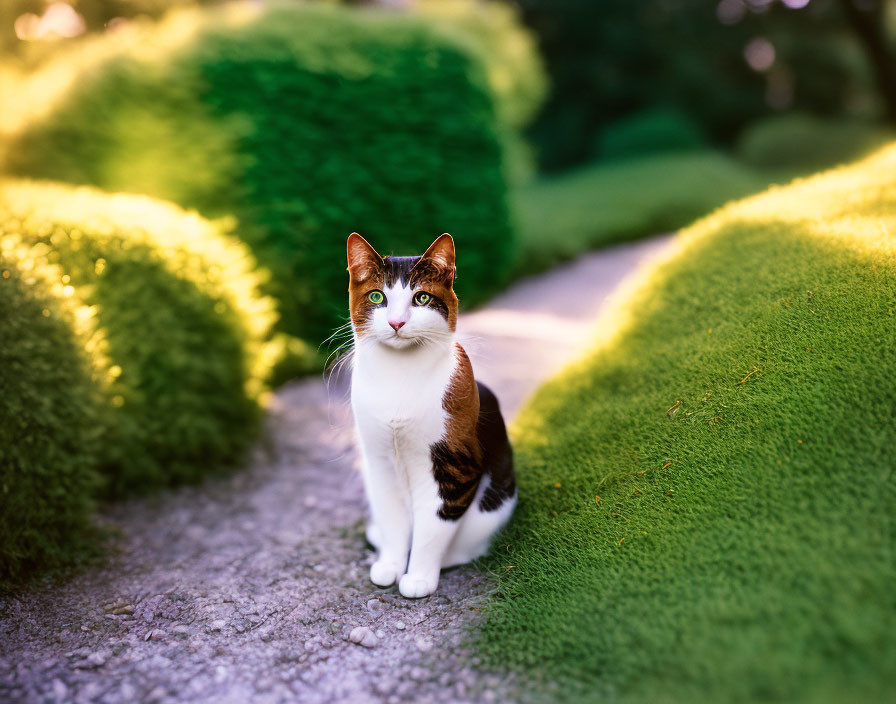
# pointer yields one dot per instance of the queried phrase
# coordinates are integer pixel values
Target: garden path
(247, 588)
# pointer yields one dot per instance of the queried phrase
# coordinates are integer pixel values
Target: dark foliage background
(612, 58)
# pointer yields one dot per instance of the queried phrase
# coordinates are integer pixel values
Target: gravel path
(253, 588)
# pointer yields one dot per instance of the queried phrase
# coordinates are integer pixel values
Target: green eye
(421, 299)
(375, 297)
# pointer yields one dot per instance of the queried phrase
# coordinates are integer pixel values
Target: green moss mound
(306, 122)
(168, 311)
(48, 427)
(707, 499)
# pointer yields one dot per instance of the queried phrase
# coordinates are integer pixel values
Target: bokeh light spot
(760, 54)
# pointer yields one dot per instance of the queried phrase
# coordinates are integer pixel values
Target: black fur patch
(457, 474)
(398, 269)
(497, 455)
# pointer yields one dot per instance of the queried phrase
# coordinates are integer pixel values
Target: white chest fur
(397, 396)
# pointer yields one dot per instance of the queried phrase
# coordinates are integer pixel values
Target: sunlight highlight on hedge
(167, 307)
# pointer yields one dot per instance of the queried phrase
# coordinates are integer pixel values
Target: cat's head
(402, 301)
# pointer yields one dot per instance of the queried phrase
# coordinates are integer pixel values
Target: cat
(437, 462)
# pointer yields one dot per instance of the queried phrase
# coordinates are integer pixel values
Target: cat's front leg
(432, 534)
(391, 514)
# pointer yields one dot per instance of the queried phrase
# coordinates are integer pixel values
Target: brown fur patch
(457, 458)
(365, 273)
(435, 273)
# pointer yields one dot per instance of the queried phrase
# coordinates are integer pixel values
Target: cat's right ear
(363, 259)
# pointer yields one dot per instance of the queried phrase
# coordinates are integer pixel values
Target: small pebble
(94, 660)
(400, 625)
(218, 625)
(157, 694)
(358, 633)
(363, 636)
(424, 645)
(381, 633)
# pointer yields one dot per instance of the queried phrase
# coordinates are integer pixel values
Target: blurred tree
(722, 64)
(868, 20)
(96, 14)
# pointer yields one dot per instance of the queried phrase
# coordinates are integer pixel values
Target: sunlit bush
(169, 314)
(49, 430)
(306, 122)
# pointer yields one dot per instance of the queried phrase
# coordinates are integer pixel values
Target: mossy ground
(707, 498)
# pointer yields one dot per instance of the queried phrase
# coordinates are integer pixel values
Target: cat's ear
(441, 254)
(363, 259)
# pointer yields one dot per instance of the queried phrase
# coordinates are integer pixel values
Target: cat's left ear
(441, 254)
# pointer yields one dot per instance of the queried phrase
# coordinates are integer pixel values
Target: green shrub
(707, 498)
(563, 216)
(507, 49)
(306, 122)
(48, 426)
(170, 315)
(649, 132)
(805, 142)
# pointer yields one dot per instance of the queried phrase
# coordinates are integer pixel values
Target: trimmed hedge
(596, 206)
(49, 436)
(169, 313)
(306, 122)
(506, 47)
(707, 498)
(650, 132)
(508, 51)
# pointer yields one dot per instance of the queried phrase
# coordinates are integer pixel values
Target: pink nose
(396, 324)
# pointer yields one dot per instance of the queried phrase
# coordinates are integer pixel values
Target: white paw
(413, 586)
(383, 573)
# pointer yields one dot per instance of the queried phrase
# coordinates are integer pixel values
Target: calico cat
(437, 463)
